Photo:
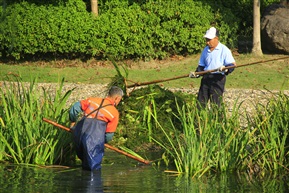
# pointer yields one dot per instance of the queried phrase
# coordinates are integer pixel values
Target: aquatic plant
(270, 148)
(206, 140)
(213, 140)
(120, 78)
(24, 138)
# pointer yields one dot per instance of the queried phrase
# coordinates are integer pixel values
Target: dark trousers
(212, 88)
(89, 139)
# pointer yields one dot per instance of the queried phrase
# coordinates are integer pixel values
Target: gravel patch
(246, 98)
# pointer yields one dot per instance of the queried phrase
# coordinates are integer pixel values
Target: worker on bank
(214, 56)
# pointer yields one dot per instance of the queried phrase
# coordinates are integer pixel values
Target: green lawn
(270, 75)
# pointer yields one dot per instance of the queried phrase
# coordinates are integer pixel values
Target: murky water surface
(120, 174)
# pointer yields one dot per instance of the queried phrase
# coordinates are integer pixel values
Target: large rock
(275, 29)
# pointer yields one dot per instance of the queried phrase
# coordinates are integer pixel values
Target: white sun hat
(211, 33)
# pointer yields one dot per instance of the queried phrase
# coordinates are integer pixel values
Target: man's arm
(74, 112)
(108, 137)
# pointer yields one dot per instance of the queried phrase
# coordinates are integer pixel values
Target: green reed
(271, 123)
(214, 139)
(24, 137)
(209, 140)
(148, 113)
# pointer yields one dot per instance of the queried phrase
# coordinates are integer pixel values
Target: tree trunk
(94, 7)
(256, 50)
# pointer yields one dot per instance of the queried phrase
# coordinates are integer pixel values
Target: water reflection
(88, 182)
(128, 176)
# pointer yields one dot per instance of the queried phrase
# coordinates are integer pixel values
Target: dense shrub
(128, 33)
(37, 2)
(162, 28)
(184, 22)
(155, 29)
(31, 29)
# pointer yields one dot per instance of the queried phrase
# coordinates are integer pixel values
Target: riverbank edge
(248, 97)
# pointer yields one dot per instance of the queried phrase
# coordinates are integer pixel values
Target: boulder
(275, 29)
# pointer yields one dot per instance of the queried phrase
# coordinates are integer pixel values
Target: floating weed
(131, 152)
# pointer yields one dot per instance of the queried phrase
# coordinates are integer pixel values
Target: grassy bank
(270, 75)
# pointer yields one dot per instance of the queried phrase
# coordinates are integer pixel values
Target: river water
(121, 174)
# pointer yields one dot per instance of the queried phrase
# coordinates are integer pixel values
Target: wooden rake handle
(106, 145)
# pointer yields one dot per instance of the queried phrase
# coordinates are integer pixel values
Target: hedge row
(155, 29)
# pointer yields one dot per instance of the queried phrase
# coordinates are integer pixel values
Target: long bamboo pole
(201, 73)
(106, 145)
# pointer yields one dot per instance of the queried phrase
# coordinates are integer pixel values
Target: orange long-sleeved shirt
(107, 114)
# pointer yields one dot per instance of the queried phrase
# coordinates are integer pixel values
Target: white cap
(211, 33)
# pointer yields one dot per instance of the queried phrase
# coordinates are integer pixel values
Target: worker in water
(96, 127)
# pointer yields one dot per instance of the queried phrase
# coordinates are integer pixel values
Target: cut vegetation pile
(142, 107)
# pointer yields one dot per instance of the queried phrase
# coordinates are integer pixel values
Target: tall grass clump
(271, 123)
(209, 140)
(214, 139)
(24, 137)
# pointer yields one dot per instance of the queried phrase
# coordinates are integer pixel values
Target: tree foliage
(128, 29)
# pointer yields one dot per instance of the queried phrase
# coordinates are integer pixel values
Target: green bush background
(124, 29)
